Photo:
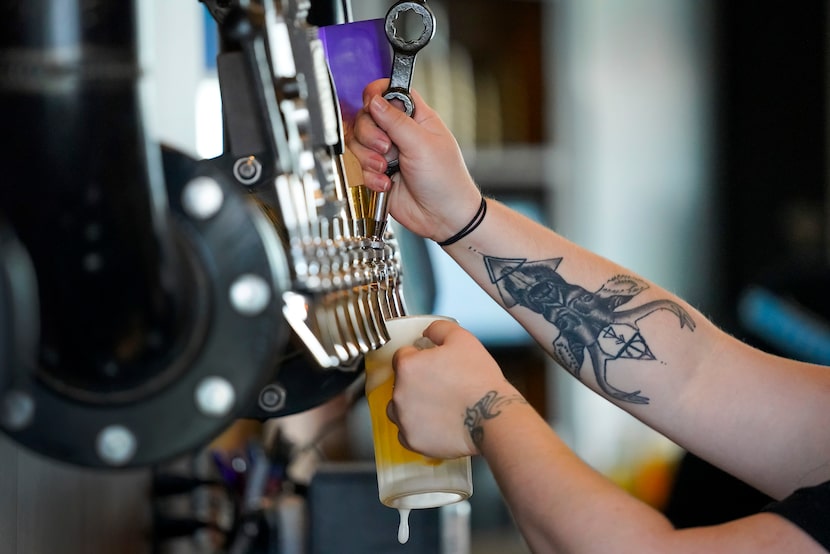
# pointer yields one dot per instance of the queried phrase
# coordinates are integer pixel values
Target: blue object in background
(211, 40)
(460, 297)
(786, 325)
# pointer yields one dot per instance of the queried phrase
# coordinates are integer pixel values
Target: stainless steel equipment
(148, 299)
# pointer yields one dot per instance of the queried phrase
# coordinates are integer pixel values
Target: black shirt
(809, 508)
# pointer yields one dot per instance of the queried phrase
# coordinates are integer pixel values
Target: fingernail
(377, 165)
(423, 343)
(381, 183)
(380, 104)
(382, 146)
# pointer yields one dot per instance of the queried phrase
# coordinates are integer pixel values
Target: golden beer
(384, 432)
(407, 479)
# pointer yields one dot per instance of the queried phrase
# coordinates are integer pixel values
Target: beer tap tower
(148, 299)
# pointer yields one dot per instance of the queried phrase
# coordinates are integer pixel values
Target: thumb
(438, 331)
(373, 89)
(404, 131)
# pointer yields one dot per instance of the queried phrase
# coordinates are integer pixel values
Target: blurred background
(684, 139)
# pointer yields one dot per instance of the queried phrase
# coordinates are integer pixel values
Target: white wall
(370, 9)
(633, 137)
(173, 37)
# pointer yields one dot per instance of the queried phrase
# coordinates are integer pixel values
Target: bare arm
(559, 503)
(760, 417)
(563, 505)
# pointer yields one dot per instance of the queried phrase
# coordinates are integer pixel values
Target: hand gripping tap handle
(403, 64)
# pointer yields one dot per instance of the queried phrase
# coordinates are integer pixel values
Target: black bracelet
(470, 227)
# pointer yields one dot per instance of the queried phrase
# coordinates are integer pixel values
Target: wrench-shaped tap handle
(404, 51)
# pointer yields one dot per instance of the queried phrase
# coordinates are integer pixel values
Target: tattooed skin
(486, 408)
(586, 321)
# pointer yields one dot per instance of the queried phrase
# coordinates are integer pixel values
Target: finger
(372, 163)
(377, 181)
(401, 354)
(404, 131)
(379, 88)
(439, 331)
(403, 441)
(368, 159)
(371, 166)
(374, 88)
(392, 412)
(367, 133)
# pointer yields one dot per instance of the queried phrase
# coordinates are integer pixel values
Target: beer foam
(403, 331)
(403, 526)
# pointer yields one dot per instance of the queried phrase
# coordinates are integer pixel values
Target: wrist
(469, 227)
(465, 224)
(483, 413)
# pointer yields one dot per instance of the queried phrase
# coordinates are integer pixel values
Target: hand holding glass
(408, 480)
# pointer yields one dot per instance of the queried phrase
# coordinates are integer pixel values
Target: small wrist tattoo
(487, 408)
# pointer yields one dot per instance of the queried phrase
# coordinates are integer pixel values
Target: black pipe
(329, 12)
(83, 191)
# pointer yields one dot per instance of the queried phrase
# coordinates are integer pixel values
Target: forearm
(654, 355)
(561, 505)
(598, 320)
(764, 419)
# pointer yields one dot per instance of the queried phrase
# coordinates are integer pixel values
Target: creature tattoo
(486, 408)
(585, 320)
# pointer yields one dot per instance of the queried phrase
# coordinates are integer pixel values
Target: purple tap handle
(358, 53)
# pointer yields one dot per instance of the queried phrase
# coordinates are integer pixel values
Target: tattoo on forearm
(586, 321)
(486, 408)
